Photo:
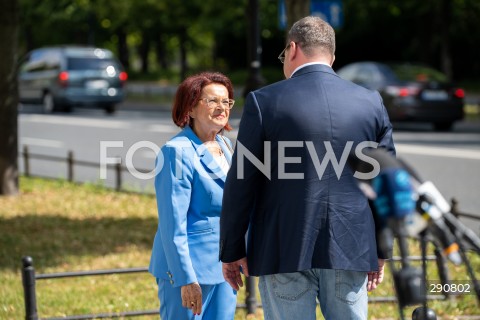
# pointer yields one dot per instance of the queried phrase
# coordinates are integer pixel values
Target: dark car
(410, 92)
(61, 78)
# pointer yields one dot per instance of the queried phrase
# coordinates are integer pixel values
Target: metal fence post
(442, 269)
(28, 280)
(118, 169)
(26, 161)
(454, 206)
(70, 166)
(250, 295)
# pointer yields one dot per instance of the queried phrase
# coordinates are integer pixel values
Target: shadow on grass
(50, 239)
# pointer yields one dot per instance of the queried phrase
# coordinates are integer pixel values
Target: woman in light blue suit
(191, 172)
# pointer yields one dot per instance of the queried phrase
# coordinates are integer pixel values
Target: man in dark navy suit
(310, 231)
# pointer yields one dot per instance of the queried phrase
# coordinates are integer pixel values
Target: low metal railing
(29, 279)
(72, 162)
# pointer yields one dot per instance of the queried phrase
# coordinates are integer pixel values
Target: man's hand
(232, 272)
(192, 297)
(376, 277)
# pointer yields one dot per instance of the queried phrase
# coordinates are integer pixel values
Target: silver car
(61, 78)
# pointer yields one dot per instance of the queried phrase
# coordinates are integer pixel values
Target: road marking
(163, 128)
(437, 151)
(148, 154)
(76, 121)
(41, 142)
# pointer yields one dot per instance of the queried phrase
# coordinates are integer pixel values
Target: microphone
(393, 205)
(390, 194)
(425, 214)
(431, 204)
(392, 191)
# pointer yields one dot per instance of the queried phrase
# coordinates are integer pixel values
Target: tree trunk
(254, 46)
(296, 10)
(8, 98)
(123, 52)
(183, 54)
(445, 23)
(144, 50)
(161, 51)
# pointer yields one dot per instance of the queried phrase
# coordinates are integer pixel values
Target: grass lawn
(67, 227)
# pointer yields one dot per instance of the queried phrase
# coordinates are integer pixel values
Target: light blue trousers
(290, 296)
(218, 302)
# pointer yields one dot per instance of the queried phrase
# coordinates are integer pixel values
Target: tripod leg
(423, 312)
(470, 271)
(459, 230)
(423, 245)
(394, 272)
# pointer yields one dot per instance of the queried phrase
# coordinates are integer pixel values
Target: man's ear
(333, 59)
(295, 47)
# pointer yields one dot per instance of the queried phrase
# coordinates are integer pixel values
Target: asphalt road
(451, 160)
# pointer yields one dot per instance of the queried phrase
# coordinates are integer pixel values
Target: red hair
(189, 92)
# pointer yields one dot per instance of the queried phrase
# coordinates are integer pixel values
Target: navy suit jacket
(299, 211)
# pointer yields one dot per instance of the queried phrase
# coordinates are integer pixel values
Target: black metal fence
(29, 279)
(72, 163)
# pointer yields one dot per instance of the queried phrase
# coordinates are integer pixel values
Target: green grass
(67, 227)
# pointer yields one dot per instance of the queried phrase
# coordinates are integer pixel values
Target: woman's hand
(192, 297)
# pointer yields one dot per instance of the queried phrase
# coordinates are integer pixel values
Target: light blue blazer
(189, 191)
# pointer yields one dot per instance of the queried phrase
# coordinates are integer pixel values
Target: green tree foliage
(56, 22)
(186, 36)
(409, 30)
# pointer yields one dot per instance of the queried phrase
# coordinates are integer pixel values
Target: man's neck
(309, 64)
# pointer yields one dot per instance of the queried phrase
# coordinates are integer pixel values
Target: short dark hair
(189, 92)
(312, 33)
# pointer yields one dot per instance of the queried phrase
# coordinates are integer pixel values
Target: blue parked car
(61, 78)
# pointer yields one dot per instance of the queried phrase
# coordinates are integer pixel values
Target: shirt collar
(308, 64)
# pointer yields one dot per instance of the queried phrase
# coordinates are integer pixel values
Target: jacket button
(171, 281)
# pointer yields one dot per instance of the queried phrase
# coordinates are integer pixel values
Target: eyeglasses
(215, 102)
(281, 56)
